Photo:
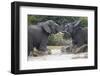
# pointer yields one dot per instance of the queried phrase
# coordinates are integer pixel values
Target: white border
(26, 65)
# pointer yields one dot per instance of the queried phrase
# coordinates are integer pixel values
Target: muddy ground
(56, 54)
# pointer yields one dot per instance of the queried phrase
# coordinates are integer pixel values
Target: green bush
(56, 39)
(84, 21)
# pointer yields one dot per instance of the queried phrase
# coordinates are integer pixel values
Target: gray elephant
(78, 34)
(38, 35)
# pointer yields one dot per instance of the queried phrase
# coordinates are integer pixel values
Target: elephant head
(77, 33)
(50, 27)
(71, 27)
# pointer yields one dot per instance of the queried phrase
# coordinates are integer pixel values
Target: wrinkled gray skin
(38, 35)
(79, 34)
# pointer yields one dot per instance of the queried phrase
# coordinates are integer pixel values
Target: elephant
(78, 34)
(38, 35)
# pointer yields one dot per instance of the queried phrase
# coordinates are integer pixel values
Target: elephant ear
(46, 28)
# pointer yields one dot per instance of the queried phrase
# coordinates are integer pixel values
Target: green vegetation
(61, 20)
(84, 21)
(56, 39)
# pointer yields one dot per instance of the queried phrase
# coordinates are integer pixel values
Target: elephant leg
(30, 47)
(73, 48)
(43, 45)
(43, 48)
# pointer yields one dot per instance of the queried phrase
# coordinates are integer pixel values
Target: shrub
(56, 39)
